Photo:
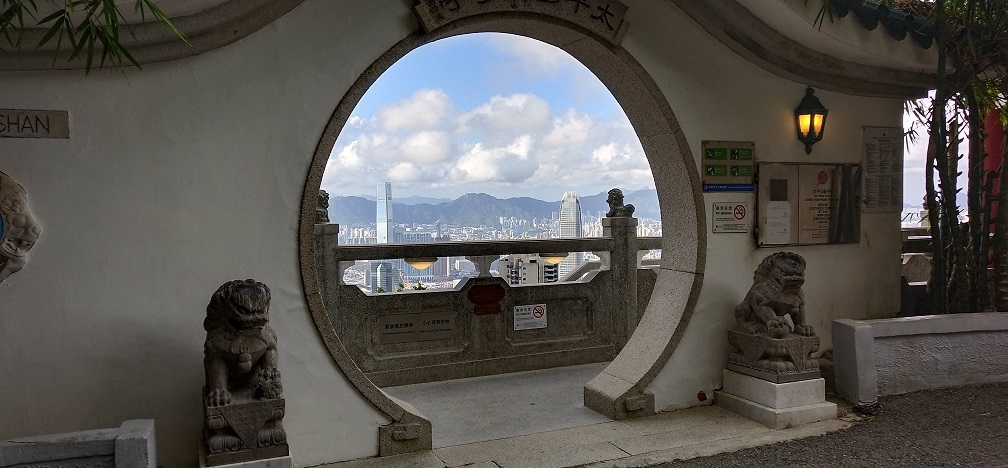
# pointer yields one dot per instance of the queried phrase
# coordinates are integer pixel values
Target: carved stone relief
(604, 18)
(18, 229)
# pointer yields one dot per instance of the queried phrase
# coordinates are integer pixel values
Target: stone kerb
(875, 358)
(129, 445)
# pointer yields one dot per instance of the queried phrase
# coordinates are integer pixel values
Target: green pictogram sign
(716, 170)
(741, 171)
(716, 153)
(741, 154)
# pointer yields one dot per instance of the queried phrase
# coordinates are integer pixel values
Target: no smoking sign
(730, 217)
(528, 317)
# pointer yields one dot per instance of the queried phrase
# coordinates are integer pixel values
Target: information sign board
(528, 317)
(730, 217)
(728, 166)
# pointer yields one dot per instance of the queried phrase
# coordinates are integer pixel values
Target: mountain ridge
(480, 209)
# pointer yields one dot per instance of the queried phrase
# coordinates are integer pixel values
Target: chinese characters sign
(883, 162)
(808, 204)
(730, 217)
(602, 17)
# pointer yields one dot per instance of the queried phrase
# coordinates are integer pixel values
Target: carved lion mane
(775, 293)
(240, 354)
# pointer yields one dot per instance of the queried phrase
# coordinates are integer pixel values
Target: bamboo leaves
(94, 30)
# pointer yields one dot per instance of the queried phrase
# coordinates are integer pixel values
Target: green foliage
(380, 290)
(419, 286)
(970, 82)
(91, 28)
(972, 39)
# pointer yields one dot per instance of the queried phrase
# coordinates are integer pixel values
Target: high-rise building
(527, 269)
(570, 227)
(385, 225)
(386, 276)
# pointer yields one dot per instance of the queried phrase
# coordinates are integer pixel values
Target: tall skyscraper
(385, 225)
(570, 227)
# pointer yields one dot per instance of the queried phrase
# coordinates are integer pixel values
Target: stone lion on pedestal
(776, 292)
(243, 404)
(771, 339)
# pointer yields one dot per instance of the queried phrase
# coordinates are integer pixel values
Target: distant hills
(479, 209)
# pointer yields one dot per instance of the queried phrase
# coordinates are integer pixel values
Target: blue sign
(729, 187)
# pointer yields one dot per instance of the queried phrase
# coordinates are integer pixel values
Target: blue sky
(493, 113)
(500, 114)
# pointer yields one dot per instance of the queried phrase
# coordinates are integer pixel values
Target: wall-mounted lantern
(810, 120)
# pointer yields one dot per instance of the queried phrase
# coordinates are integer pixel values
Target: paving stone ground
(966, 426)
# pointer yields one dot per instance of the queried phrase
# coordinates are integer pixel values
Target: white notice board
(730, 217)
(528, 317)
(882, 149)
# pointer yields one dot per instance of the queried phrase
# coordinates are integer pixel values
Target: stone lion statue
(776, 293)
(616, 207)
(18, 229)
(322, 208)
(240, 360)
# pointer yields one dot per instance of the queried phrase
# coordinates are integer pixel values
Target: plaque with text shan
(26, 123)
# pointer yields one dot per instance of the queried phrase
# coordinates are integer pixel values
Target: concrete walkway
(536, 419)
(498, 406)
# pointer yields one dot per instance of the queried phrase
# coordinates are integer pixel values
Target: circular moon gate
(618, 391)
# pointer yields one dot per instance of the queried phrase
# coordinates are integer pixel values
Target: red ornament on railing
(486, 298)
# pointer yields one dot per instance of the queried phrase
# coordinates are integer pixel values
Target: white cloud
(573, 128)
(530, 55)
(403, 172)
(425, 147)
(356, 122)
(508, 145)
(425, 109)
(517, 113)
(508, 164)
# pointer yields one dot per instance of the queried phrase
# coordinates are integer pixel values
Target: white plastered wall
(189, 173)
(176, 179)
(718, 96)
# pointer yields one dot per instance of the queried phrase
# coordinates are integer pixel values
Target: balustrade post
(327, 265)
(482, 263)
(623, 265)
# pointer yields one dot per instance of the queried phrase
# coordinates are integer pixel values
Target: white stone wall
(189, 173)
(718, 96)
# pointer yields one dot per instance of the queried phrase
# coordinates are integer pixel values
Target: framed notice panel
(808, 204)
(883, 168)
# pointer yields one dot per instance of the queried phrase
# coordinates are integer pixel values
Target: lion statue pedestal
(243, 403)
(771, 375)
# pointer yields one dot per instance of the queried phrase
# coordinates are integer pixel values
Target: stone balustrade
(483, 325)
(131, 444)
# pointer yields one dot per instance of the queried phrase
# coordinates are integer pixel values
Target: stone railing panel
(131, 444)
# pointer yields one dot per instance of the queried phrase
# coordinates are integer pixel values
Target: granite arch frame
(620, 390)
